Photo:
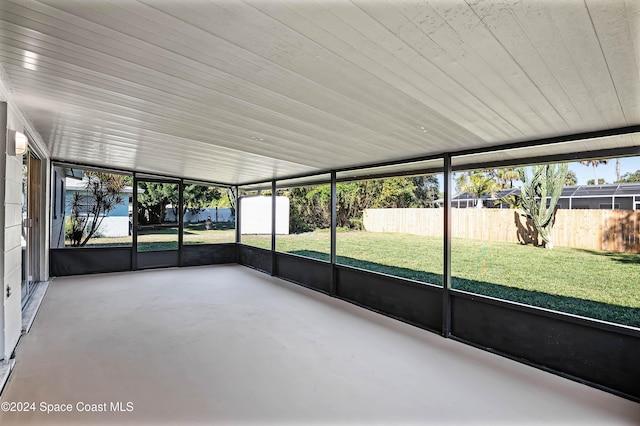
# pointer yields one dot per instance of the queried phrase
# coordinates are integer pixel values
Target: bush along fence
(609, 230)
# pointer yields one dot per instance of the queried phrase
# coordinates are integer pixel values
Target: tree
(349, 201)
(506, 176)
(227, 200)
(153, 199)
(540, 193)
(600, 182)
(392, 193)
(427, 191)
(572, 178)
(629, 177)
(310, 207)
(595, 164)
(198, 197)
(230, 200)
(479, 184)
(103, 192)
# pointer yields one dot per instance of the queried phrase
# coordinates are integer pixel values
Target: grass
(596, 284)
(167, 238)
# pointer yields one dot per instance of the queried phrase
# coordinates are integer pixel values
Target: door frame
(160, 258)
(31, 259)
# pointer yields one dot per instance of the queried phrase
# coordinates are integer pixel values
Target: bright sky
(606, 172)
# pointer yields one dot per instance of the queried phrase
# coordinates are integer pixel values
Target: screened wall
(393, 238)
(106, 221)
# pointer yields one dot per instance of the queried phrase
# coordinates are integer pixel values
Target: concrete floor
(226, 344)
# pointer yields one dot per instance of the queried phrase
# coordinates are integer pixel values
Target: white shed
(255, 215)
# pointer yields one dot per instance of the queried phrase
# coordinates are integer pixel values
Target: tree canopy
(630, 177)
(478, 183)
(571, 179)
(594, 164)
(310, 206)
(154, 197)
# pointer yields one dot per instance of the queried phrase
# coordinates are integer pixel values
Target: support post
(180, 219)
(238, 224)
(273, 227)
(446, 275)
(334, 224)
(134, 225)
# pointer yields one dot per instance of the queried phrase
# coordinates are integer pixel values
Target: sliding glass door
(31, 169)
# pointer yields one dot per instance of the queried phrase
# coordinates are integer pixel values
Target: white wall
(11, 195)
(255, 215)
(224, 215)
(114, 226)
(45, 223)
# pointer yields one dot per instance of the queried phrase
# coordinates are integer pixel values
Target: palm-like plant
(103, 193)
(572, 178)
(479, 184)
(506, 176)
(595, 164)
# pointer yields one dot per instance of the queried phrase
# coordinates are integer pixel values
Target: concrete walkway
(229, 345)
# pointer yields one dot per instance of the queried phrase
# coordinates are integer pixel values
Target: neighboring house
(624, 196)
(65, 184)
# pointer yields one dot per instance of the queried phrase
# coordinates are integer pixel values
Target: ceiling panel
(243, 91)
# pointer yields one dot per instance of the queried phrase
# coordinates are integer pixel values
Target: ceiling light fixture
(30, 60)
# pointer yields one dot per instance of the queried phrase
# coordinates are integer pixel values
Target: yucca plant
(539, 196)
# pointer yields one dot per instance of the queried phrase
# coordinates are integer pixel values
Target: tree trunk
(548, 240)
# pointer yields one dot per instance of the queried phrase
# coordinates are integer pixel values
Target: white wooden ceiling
(238, 91)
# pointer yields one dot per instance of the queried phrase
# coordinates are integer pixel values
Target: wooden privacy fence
(611, 230)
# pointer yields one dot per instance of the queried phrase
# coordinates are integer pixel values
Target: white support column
(3, 214)
(11, 245)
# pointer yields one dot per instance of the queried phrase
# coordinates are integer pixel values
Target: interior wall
(11, 196)
(3, 213)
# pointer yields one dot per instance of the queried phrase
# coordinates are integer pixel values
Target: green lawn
(602, 285)
(167, 239)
